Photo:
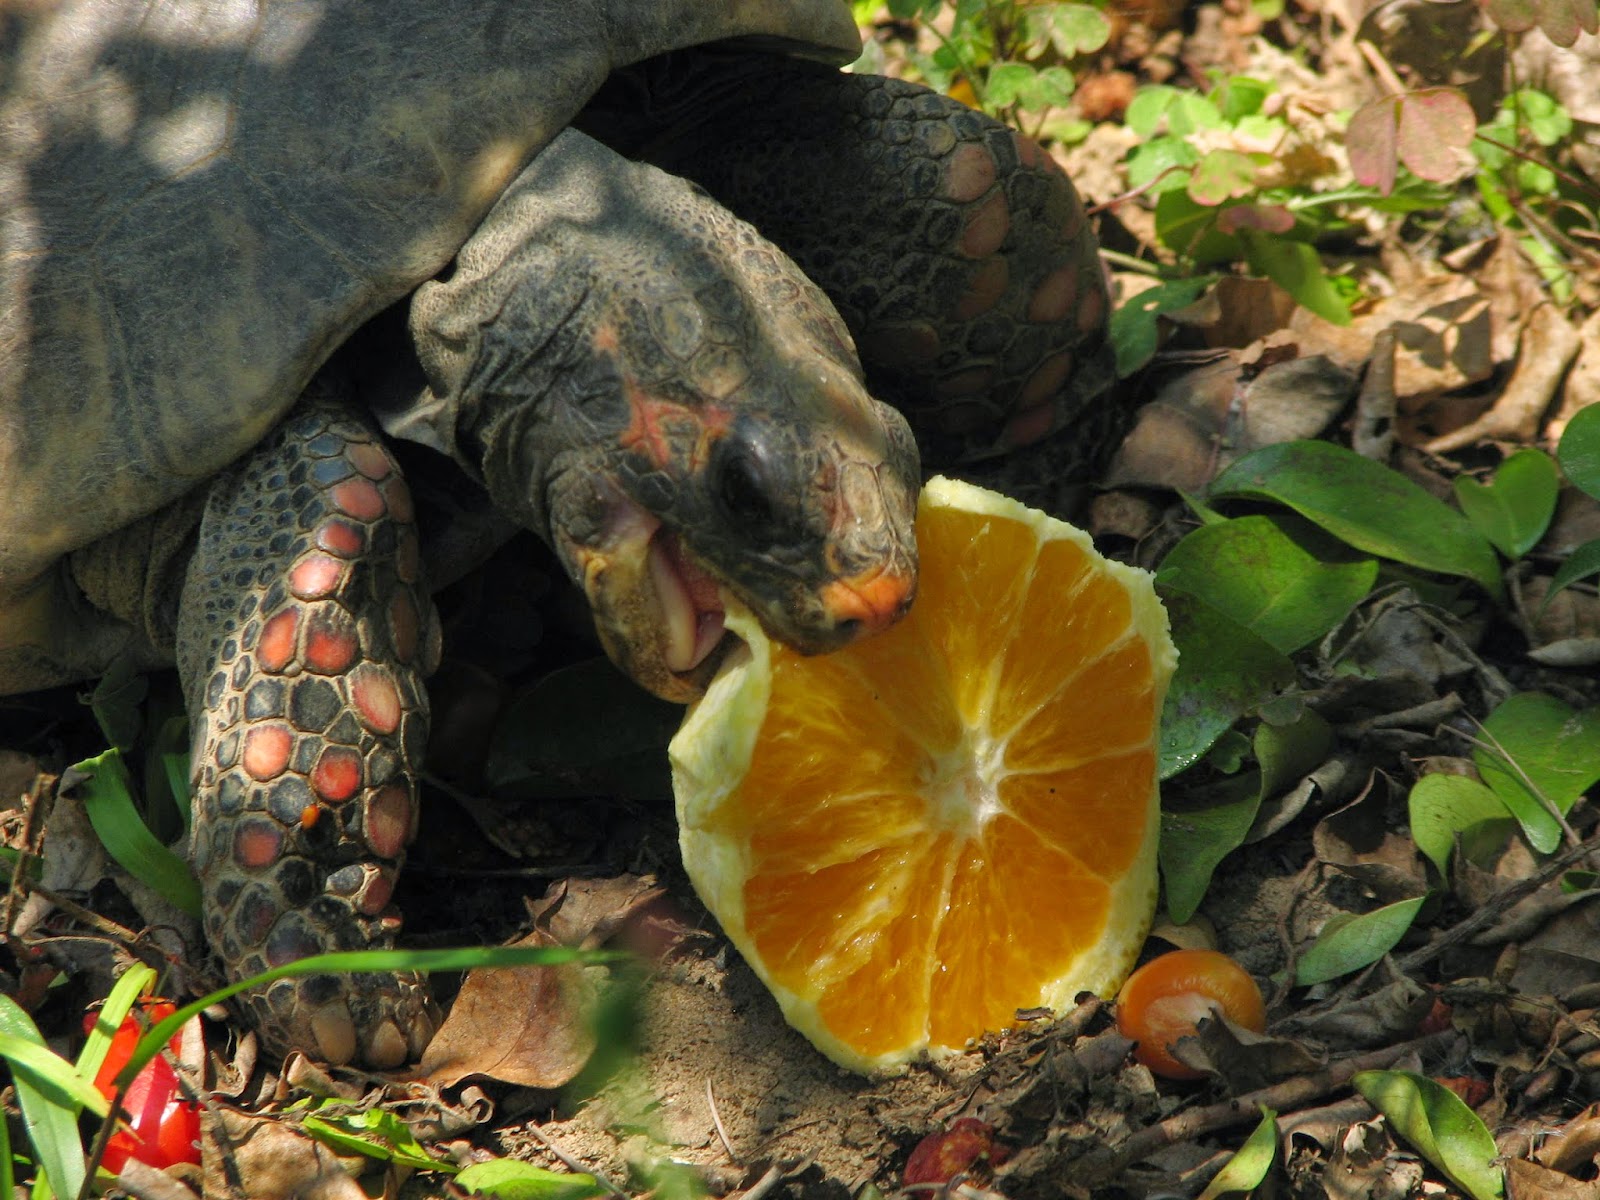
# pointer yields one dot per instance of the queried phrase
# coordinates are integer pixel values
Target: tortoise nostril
(849, 629)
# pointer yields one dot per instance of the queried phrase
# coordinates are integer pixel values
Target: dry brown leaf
(523, 1025)
(1582, 387)
(245, 1157)
(1204, 419)
(1529, 1181)
(1575, 1146)
(1549, 344)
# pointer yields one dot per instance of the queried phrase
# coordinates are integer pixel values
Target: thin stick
(716, 1123)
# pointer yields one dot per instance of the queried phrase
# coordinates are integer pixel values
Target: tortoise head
(641, 378)
(796, 495)
(745, 458)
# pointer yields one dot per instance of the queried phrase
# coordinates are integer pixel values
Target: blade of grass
(135, 981)
(108, 799)
(52, 1125)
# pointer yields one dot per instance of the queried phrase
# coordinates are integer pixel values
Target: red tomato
(161, 1128)
(1165, 999)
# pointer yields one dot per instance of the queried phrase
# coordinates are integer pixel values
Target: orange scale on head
(358, 498)
(337, 774)
(987, 286)
(375, 893)
(1052, 299)
(266, 751)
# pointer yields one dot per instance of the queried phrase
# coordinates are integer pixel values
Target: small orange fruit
(1165, 1000)
(913, 837)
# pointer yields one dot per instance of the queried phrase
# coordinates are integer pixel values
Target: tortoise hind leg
(956, 250)
(304, 637)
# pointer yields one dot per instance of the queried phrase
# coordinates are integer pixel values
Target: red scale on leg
(341, 538)
(276, 649)
(257, 843)
(316, 576)
(397, 496)
(407, 555)
(388, 820)
(332, 642)
(358, 498)
(266, 751)
(337, 775)
(403, 625)
(375, 698)
(370, 459)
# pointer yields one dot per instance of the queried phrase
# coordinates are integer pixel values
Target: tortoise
(200, 203)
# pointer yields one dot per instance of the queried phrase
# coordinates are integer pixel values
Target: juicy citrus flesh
(912, 838)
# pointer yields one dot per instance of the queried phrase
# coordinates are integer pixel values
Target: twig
(33, 805)
(762, 1186)
(573, 1164)
(716, 1123)
(1481, 918)
(1281, 1097)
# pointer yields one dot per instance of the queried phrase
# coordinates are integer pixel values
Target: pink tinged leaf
(1270, 218)
(1514, 16)
(1436, 129)
(1562, 20)
(1370, 141)
(1222, 175)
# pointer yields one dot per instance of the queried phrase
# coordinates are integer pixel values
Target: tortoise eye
(743, 490)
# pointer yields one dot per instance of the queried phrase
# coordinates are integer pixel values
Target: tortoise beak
(871, 601)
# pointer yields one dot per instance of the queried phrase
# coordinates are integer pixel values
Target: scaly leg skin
(303, 641)
(956, 250)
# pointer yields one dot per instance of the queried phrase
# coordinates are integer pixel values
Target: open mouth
(690, 600)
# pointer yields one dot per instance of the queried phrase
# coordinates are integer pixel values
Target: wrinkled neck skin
(639, 378)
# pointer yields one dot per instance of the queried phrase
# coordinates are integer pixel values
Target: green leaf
(108, 799)
(1281, 577)
(1579, 450)
(1006, 83)
(511, 1180)
(1295, 267)
(116, 701)
(1224, 671)
(49, 1112)
(1556, 752)
(1240, 96)
(1222, 175)
(374, 1132)
(1073, 29)
(1191, 229)
(1288, 752)
(1581, 563)
(1246, 1170)
(1147, 108)
(583, 730)
(1134, 328)
(1439, 1126)
(1443, 806)
(130, 985)
(1365, 504)
(1051, 87)
(1514, 509)
(1349, 943)
(1190, 113)
(1198, 836)
(1161, 165)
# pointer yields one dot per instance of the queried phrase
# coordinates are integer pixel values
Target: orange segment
(912, 838)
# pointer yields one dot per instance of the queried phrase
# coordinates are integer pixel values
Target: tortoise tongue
(691, 603)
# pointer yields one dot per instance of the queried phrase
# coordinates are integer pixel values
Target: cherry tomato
(1165, 999)
(161, 1128)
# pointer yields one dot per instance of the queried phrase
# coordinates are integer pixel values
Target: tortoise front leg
(303, 640)
(956, 250)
